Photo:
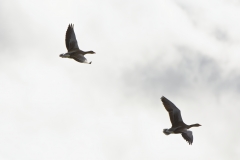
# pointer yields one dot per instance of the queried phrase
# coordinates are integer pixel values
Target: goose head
(197, 125)
(90, 52)
(194, 125)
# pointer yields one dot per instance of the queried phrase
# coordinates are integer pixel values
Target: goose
(72, 46)
(178, 126)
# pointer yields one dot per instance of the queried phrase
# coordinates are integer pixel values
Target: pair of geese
(178, 126)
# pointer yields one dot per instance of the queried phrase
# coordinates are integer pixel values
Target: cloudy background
(53, 108)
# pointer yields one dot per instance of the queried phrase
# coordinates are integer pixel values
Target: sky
(54, 108)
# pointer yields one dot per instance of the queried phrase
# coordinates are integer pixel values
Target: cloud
(189, 70)
(57, 108)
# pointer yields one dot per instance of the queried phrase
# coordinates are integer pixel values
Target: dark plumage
(72, 46)
(178, 126)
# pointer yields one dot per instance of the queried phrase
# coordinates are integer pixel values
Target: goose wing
(187, 135)
(174, 112)
(70, 40)
(79, 58)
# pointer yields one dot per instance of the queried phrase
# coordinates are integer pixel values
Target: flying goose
(72, 46)
(178, 126)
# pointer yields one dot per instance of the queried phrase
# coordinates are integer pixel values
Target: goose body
(72, 46)
(178, 126)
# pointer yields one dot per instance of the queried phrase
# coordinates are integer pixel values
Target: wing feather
(70, 40)
(174, 112)
(187, 135)
(79, 58)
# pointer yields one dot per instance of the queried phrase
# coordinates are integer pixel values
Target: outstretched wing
(79, 58)
(71, 41)
(187, 135)
(174, 112)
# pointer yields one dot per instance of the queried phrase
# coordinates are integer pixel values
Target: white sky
(54, 108)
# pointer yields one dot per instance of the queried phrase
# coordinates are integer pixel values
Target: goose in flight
(178, 126)
(72, 46)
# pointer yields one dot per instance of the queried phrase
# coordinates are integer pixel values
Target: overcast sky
(54, 108)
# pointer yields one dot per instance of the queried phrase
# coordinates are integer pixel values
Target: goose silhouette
(72, 46)
(178, 126)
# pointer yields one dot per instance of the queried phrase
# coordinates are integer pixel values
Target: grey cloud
(220, 34)
(196, 17)
(192, 71)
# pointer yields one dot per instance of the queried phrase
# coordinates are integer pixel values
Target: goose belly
(170, 131)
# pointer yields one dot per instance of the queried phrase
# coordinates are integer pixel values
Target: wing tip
(163, 98)
(187, 138)
(190, 142)
(70, 25)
